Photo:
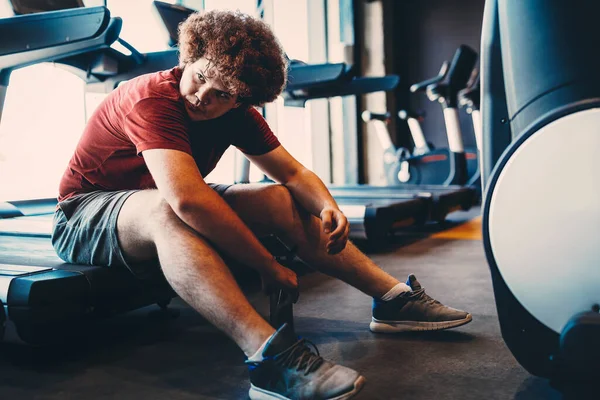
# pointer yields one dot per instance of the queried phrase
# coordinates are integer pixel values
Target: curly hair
(244, 51)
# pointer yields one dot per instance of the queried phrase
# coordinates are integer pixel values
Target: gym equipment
(469, 98)
(172, 15)
(541, 95)
(21, 7)
(376, 212)
(427, 166)
(414, 118)
(42, 297)
(370, 218)
(441, 199)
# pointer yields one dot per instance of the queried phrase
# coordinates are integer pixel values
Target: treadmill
(41, 296)
(375, 212)
(373, 218)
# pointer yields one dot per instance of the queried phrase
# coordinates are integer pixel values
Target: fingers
(279, 277)
(288, 279)
(293, 282)
(335, 220)
(326, 221)
(341, 224)
(337, 246)
(339, 237)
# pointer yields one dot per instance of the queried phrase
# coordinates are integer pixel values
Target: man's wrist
(268, 264)
(330, 207)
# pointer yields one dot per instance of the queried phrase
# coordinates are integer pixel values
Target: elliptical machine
(541, 219)
(428, 166)
(413, 118)
(467, 98)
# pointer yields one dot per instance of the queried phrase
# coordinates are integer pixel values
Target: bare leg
(280, 214)
(147, 227)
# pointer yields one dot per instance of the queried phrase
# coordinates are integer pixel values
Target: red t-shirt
(148, 113)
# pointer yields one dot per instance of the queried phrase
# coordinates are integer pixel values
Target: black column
(494, 115)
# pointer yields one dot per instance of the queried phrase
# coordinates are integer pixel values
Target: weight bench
(40, 304)
(42, 298)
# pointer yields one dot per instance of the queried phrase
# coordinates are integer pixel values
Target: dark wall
(421, 35)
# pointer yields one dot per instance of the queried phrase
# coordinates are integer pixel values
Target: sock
(395, 291)
(258, 355)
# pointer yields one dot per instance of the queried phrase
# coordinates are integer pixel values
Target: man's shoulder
(157, 85)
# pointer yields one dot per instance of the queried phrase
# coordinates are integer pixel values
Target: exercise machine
(443, 199)
(413, 118)
(376, 212)
(427, 166)
(172, 15)
(469, 99)
(38, 292)
(541, 221)
(370, 218)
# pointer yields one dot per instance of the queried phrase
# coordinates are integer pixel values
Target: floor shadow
(534, 388)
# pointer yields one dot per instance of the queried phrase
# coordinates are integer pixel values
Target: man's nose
(204, 95)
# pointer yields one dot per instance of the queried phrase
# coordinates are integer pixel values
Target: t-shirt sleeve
(156, 123)
(252, 135)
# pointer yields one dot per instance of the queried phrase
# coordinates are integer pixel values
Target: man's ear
(236, 105)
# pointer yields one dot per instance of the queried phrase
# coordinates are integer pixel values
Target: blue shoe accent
(289, 369)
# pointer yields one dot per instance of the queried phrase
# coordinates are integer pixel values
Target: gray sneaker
(415, 311)
(290, 370)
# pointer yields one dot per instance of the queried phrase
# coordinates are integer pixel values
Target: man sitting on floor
(134, 192)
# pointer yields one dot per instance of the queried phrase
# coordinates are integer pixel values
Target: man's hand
(279, 277)
(335, 224)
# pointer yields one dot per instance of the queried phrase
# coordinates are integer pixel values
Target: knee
(278, 194)
(162, 214)
(283, 213)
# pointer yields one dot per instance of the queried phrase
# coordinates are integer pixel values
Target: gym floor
(141, 355)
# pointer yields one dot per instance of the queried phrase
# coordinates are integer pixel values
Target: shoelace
(421, 295)
(300, 356)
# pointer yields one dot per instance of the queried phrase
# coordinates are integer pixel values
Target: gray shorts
(84, 230)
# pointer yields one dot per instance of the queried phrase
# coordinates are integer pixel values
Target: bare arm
(309, 190)
(306, 187)
(180, 183)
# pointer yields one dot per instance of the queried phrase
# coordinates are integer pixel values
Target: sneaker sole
(257, 393)
(380, 326)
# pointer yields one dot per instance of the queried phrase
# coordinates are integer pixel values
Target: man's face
(204, 94)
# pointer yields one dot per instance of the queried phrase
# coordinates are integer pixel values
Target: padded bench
(43, 298)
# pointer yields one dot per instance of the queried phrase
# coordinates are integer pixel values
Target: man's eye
(224, 95)
(200, 77)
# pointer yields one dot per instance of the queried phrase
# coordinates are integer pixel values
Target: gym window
(43, 115)
(42, 120)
